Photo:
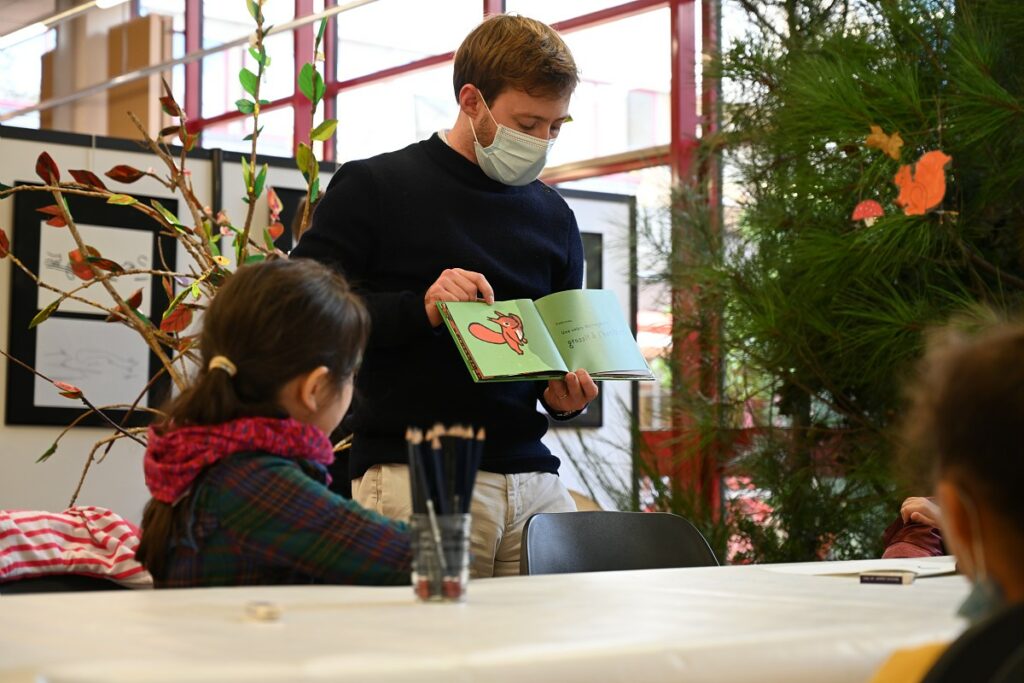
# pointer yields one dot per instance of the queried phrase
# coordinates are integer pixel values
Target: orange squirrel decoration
(926, 186)
(510, 331)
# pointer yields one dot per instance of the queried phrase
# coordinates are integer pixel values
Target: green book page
(591, 332)
(503, 341)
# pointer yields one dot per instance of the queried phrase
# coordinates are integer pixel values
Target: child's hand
(456, 284)
(571, 393)
(921, 510)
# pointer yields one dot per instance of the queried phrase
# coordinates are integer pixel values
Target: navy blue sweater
(391, 224)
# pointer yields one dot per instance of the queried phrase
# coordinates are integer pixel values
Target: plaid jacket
(260, 519)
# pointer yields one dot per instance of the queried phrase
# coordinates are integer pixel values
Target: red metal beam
(193, 70)
(684, 87)
(494, 7)
(303, 42)
(603, 16)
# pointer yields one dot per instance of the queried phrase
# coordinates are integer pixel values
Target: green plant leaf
(268, 239)
(171, 218)
(49, 451)
(196, 292)
(259, 55)
(314, 189)
(324, 131)
(245, 106)
(254, 9)
(122, 200)
(320, 31)
(250, 81)
(254, 258)
(246, 174)
(256, 134)
(303, 158)
(261, 178)
(175, 301)
(45, 313)
(311, 84)
(4, 188)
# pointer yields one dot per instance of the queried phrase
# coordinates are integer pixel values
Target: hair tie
(222, 363)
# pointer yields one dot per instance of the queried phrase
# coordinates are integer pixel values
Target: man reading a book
(460, 217)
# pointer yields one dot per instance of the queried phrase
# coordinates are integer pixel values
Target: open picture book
(544, 339)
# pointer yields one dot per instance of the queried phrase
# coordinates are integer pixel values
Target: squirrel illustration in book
(511, 331)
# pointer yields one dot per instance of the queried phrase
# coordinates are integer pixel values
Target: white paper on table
(921, 566)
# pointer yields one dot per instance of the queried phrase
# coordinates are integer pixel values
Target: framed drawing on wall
(109, 361)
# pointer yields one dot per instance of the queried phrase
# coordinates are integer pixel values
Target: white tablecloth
(755, 623)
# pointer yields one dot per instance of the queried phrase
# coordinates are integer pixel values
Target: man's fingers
(457, 278)
(480, 284)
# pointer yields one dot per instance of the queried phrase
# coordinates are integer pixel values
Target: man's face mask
(513, 158)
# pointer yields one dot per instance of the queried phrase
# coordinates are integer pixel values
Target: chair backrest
(563, 542)
(991, 651)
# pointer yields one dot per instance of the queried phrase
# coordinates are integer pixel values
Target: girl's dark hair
(967, 413)
(274, 321)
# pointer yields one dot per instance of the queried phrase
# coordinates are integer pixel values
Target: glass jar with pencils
(443, 463)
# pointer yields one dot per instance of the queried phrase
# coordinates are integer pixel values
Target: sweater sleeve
(279, 516)
(345, 235)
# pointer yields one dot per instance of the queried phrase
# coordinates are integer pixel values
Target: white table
(756, 623)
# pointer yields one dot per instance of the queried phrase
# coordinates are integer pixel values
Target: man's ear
(311, 388)
(469, 100)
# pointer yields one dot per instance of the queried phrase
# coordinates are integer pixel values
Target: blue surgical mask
(986, 596)
(513, 158)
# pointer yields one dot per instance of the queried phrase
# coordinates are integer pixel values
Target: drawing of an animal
(510, 331)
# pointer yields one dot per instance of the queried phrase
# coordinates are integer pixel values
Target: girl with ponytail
(238, 468)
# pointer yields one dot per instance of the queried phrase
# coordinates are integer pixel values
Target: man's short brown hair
(508, 51)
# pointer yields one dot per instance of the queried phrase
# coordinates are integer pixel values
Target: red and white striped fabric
(90, 541)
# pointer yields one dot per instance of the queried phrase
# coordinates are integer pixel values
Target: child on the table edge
(966, 415)
(237, 468)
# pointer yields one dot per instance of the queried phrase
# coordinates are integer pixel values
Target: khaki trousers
(501, 505)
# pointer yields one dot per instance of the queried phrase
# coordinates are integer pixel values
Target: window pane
(276, 139)
(224, 22)
(392, 114)
(176, 10)
(550, 12)
(620, 104)
(388, 33)
(21, 65)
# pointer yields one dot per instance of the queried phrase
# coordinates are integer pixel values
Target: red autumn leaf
(169, 106)
(106, 264)
(80, 265)
(275, 230)
(46, 168)
(178, 320)
(124, 174)
(5, 245)
(168, 288)
(56, 219)
(87, 178)
(134, 301)
(169, 130)
(68, 390)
